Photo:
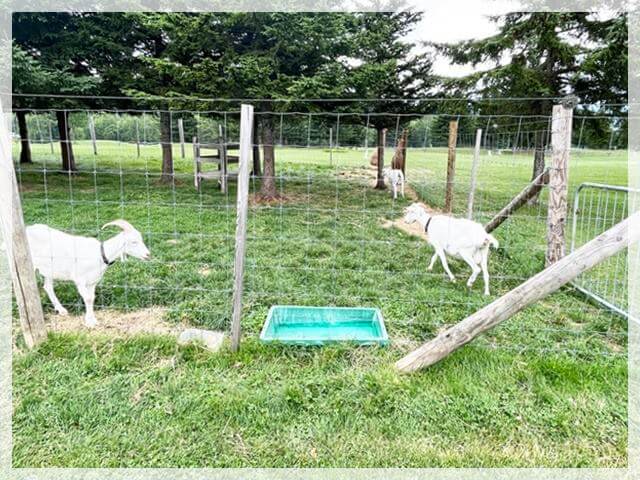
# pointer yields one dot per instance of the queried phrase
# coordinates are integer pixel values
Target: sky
(454, 20)
(450, 21)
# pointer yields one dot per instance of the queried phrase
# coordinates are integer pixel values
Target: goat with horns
(60, 256)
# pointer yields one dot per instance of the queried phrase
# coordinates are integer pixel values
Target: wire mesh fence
(326, 237)
(596, 208)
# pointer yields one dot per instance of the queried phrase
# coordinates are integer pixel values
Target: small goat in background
(395, 178)
(83, 260)
(457, 237)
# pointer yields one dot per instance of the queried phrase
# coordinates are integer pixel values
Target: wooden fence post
(256, 171)
(451, 166)
(474, 173)
(137, 137)
(22, 272)
(196, 164)
(382, 138)
(50, 133)
(558, 182)
(404, 152)
(539, 286)
(181, 135)
(223, 154)
(92, 132)
(246, 139)
(331, 146)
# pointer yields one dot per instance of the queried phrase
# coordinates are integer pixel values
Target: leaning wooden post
(516, 202)
(474, 173)
(181, 136)
(539, 286)
(558, 182)
(92, 133)
(451, 166)
(246, 136)
(13, 231)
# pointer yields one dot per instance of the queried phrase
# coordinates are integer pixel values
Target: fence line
(324, 239)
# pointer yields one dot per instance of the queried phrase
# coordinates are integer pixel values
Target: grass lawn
(547, 388)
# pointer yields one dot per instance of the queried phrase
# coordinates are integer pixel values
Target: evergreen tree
(541, 55)
(387, 70)
(30, 76)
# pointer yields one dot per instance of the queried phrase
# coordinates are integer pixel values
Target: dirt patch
(404, 344)
(411, 194)
(256, 201)
(117, 324)
(358, 173)
(370, 174)
(172, 241)
(414, 229)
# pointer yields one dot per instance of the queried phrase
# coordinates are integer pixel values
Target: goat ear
(122, 224)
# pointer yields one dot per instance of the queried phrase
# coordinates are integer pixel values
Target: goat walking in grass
(457, 237)
(396, 179)
(83, 260)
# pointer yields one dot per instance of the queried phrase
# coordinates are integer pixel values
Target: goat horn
(122, 224)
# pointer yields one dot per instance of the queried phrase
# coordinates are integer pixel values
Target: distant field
(547, 388)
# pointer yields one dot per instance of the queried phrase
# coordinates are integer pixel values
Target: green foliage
(29, 75)
(548, 55)
(603, 74)
(387, 66)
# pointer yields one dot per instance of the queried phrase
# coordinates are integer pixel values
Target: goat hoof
(90, 322)
(453, 280)
(62, 311)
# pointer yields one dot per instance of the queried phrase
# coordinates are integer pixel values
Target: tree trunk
(25, 147)
(64, 131)
(268, 188)
(256, 172)
(167, 153)
(381, 141)
(538, 161)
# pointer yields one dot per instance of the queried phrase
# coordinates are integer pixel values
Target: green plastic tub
(297, 325)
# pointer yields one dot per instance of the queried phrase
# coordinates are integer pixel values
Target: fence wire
(596, 208)
(327, 237)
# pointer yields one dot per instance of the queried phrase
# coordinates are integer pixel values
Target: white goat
(456, 237)
(60, 256)
(396, 178)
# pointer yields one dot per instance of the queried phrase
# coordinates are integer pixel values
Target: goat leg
(445, 265)
(433, 261)
(475, 270)
(48, 287)
(88, 294)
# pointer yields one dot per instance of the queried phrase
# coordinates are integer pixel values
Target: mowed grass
(547, 388)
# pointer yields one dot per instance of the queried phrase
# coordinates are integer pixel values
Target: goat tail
(492, 240)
